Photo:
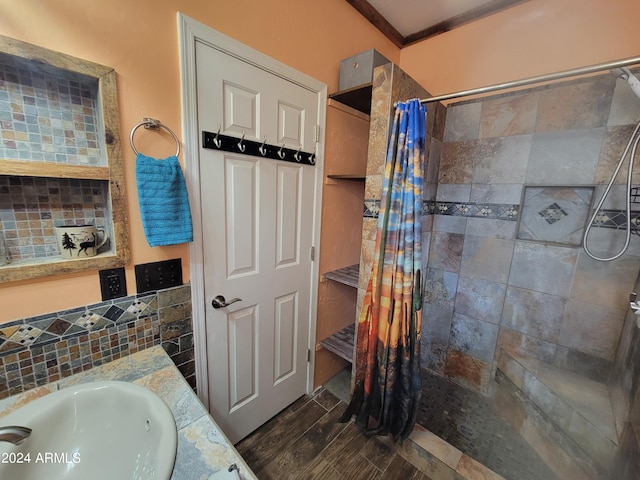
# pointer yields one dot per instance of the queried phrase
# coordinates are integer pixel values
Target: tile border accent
(39, 350)
(461, 209)
(502, 211)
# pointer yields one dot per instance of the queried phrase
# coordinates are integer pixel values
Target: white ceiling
(411, 16)
(408, 21)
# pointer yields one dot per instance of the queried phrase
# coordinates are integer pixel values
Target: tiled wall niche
(47, 116)
(487, 287)
(30, 208)
(38, 350)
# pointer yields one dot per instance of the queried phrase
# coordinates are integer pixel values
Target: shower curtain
(387, 384)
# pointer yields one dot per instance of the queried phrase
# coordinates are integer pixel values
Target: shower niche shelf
(60, 160)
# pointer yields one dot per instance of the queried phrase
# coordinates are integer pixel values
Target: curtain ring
(297, 154)
(281, 153)
(216, 140)
(241, 146)
(261, 148)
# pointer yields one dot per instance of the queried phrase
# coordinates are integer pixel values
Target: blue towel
(164, 204)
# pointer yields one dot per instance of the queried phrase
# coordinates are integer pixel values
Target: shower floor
(470, 422)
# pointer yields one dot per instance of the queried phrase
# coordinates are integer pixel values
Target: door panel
(241, 107)
(288, 221)
(240, 214)
(257, 229)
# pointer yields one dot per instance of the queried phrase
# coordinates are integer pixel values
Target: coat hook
(216, 140)
(241, 146)
(312, 157)
(297, 154)
(281, 152)
(261, 148)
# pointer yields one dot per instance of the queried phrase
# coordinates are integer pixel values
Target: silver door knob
(220, 302)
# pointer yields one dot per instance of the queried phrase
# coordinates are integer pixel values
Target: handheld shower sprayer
(631, 148)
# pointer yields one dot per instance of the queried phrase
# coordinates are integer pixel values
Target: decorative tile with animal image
(555, 214)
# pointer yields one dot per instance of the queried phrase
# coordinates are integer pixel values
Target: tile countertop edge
(203, 449)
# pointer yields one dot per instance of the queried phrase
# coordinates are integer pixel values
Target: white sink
(100, 430)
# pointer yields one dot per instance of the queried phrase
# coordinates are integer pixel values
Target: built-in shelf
(20, 168)
(342, 342)
(347, 275)
(359, 178)
(357, 97)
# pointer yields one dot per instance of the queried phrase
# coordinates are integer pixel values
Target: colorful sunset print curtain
(387, 385)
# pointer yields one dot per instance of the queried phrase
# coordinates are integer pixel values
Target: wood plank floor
(305, 441)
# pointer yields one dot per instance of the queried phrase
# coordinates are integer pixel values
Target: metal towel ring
(152, 124)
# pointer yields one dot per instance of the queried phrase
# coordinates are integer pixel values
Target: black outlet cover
(113, 283)
(158, 275)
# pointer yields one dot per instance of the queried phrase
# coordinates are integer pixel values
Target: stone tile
(432, 168)
(453, 192)
(473, 337)
(600, 448)
(491, 227)
(480, 299)
(605, 283)
(488, 258)
(509, 115)
(513, 370)
(437, 447)
(625, 105)
(558, 411)
(502, 160)
(440, 287)
(473, 470)
(468, 371)
(544, 268)
(456, 162)
(449, 224)
(526, 345)
(575, 105)
(565, 158)
(500, 193)
(582, 363)
(446, 251)
(463, 122)
(534, 313)
(592, 328)
(174, 296)
(202, 448)
(614, 142)
(171, 387)
(436, 328)
(426, 462)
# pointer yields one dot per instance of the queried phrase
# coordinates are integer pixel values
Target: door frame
(190, 31)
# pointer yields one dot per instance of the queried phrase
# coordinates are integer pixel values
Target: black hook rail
(217, 141)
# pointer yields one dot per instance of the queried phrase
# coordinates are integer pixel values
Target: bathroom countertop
(202, 447)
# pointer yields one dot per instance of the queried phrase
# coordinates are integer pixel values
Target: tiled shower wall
(520, 281)
(38, 350)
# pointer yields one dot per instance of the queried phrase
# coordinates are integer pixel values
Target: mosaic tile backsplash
(49, 116)
(43, 349)
(30, 208)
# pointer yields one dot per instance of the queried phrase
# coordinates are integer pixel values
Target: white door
(257, 231)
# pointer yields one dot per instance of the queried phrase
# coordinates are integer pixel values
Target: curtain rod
(539, 79)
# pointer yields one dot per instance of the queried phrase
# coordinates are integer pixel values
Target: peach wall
(140, 41)
(533, 38)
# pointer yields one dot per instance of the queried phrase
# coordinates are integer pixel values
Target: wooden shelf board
(347, 275)
(21, 168)
(357, 97)
(348, 177)
(342, 342)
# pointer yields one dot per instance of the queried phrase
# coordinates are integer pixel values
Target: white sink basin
(99, 430)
